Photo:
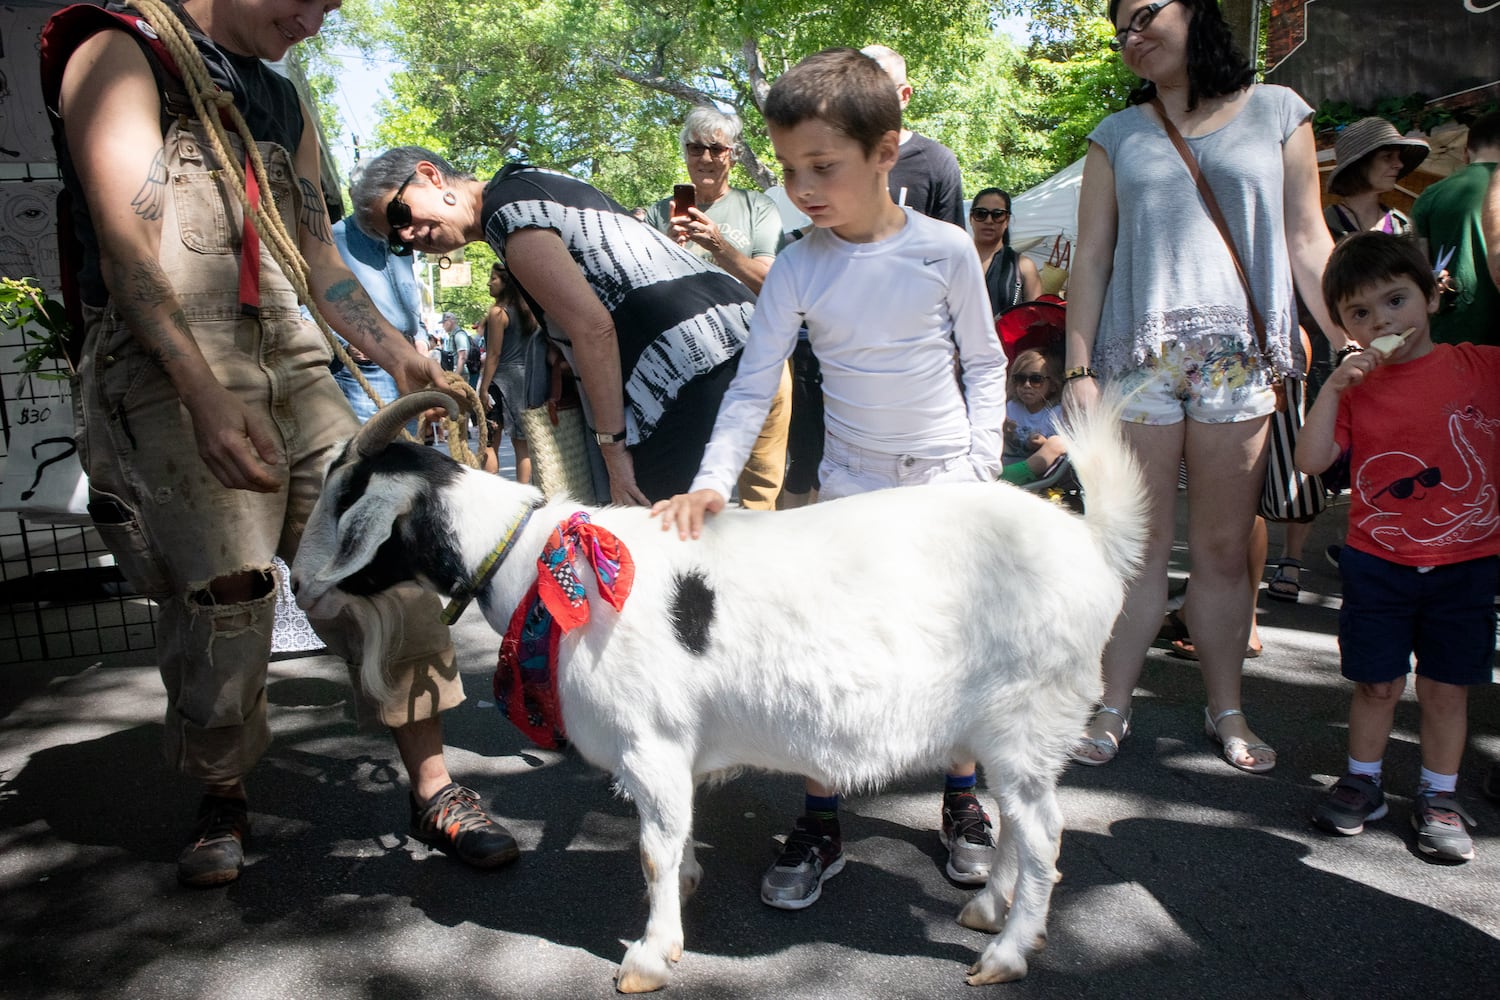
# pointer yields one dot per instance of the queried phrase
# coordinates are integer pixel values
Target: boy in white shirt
(913, 374)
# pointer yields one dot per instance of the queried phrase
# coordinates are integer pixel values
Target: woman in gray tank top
(1156, 305)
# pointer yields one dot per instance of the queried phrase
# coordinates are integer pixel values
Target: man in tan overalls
(209, 413)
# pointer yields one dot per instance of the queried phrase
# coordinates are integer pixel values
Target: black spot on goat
(692, 611)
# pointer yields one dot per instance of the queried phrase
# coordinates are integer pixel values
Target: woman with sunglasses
(653, 332)
(1010, 277)
(1157, 304)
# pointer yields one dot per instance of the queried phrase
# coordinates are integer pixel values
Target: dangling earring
(448, 198)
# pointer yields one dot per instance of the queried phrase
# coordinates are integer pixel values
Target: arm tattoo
(147, 289)
(355, 308)
(151, 198)
(314, 214)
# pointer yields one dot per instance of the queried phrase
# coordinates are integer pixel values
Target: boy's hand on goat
(686, 511)
(623, 492)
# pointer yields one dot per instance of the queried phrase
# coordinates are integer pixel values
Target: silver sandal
(1106, 744)
(1236, 747)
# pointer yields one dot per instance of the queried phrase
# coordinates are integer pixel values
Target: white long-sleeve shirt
(887, 321)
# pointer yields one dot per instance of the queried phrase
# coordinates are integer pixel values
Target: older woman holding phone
(653, 332)
(740, 231)
(1156, 304)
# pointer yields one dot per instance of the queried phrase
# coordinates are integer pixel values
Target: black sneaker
(813, 854)
(969, 837)
(1351, 803)
(218, 849)
(452, 821)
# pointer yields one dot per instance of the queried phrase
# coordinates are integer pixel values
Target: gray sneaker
(969, 837)
(811, 856)
(1351, 803)
(1439, 822)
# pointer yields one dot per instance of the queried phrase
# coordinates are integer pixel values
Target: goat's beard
(382, 623)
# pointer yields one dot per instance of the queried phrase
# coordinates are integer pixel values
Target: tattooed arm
(112, 115)
(339, 296)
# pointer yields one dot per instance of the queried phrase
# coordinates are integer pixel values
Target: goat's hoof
(983, 973)
(644, 971)
(979, 914)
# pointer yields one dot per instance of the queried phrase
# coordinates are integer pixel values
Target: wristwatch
(603, 439)
(1081, 371)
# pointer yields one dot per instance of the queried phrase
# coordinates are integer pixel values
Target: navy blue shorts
(1446, 616)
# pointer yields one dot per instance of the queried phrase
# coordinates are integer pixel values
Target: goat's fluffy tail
(1114, 492)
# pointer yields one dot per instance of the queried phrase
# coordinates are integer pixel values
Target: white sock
(1369, 771)
(1432, 783)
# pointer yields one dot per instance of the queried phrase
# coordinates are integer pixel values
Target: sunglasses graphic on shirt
(1404, 487)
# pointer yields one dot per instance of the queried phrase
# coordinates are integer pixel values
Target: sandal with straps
(1106, 745)
(1282, 587)
(1236, 747)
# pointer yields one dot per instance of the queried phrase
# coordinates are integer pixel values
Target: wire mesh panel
(60, 592)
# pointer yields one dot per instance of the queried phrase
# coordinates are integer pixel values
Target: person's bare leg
(1226, 465)
(1159, 451)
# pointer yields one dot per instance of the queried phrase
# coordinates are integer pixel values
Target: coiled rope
(211, 102)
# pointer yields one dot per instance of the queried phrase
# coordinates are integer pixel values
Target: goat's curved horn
(381, 429)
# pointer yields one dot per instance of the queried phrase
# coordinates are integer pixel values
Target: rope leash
(210, 102)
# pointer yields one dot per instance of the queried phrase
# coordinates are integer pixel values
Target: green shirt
(749, 220)
(1447, 216)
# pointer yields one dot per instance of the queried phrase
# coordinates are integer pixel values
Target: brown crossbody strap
(1212, 204)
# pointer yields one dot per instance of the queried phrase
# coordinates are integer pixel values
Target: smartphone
(684, 197)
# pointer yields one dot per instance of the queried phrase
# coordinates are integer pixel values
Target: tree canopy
(600, 87)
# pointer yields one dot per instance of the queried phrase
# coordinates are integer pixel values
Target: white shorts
(1213, 380)
(848, 469)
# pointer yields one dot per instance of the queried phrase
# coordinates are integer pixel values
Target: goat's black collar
(489, 565)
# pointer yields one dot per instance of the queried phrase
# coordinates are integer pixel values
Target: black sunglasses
(1138, 23)
(697, 149)
(1029, 378)
(1404, 487)
(992, 214)
(398, 214)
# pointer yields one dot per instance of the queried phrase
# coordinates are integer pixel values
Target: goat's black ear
(363, 528)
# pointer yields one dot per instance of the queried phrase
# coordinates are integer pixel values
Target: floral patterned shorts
(1213, 380)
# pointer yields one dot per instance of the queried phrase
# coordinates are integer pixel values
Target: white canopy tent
(1047, 214)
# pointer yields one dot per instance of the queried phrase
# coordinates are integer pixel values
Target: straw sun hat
(1368, 135)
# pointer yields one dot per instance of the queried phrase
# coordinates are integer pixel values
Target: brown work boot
(217, 851)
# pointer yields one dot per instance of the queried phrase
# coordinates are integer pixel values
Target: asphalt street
(1181, 876)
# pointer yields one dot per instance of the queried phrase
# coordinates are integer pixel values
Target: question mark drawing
(70, 446)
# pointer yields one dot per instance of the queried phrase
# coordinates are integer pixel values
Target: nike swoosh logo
(929, 261)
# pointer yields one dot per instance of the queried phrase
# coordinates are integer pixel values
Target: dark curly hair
(1215, 64)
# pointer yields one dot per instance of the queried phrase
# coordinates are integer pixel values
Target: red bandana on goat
(526, 676)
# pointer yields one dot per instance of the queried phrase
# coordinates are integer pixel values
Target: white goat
(852, 642)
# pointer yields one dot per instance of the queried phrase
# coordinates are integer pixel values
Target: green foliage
(1077, 92)
(42, 323)
(600, 87)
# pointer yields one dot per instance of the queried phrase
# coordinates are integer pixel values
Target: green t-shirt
(747, 219)
(1447, 216)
